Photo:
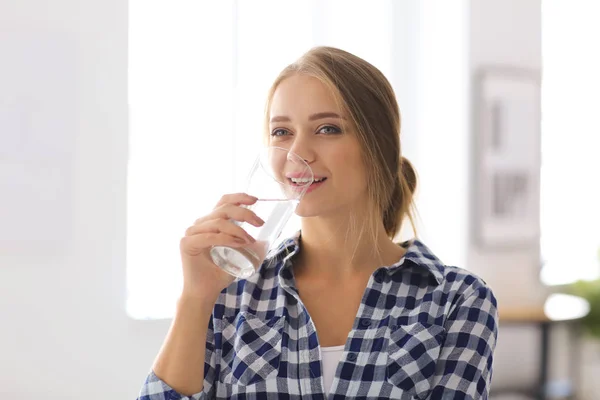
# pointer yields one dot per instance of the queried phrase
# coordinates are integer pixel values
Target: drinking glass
(279, 179)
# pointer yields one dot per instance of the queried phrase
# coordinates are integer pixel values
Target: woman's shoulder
(449, 292)
(449, 278)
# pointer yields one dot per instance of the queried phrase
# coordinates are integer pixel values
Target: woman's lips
(313, 186)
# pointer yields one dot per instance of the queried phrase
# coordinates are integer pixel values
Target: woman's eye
(279, 132)
(329, 130)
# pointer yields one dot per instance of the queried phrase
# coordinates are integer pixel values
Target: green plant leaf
(589, 290)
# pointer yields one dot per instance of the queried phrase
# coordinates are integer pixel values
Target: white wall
(63, 328)
(507, 33)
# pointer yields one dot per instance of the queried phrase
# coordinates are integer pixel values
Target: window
(570, 188)
(198, 77)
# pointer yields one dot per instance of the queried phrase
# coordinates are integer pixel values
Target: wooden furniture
(545, 318)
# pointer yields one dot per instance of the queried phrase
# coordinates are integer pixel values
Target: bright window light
(570, 189)
(199, 72)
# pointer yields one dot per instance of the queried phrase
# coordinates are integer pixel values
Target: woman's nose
(303, 149)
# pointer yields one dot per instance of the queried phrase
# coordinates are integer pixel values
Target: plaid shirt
(423, 330)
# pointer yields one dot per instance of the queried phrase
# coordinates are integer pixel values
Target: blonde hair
(367, 96)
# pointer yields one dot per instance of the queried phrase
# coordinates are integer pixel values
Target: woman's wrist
(203, 303)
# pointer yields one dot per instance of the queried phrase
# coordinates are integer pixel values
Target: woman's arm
(464, 369)
(186, 362)
(180, 370)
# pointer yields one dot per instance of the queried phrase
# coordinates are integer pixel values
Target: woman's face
(306, 120)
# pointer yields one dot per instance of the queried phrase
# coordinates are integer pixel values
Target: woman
(341, 311)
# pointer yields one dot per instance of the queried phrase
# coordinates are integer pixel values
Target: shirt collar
(417, 255)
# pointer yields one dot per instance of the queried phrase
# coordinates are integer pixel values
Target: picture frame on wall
(506, 157)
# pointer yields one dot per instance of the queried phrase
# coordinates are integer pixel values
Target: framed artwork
(507, 157)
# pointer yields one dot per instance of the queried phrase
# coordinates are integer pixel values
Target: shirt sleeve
(464, 369)
(156, 389)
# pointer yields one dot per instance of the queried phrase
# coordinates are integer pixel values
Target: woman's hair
(367, 96)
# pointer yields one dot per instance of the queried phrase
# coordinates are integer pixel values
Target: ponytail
(401, 203)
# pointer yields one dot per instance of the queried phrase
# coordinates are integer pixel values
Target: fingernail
(251, 239)
(259, 221)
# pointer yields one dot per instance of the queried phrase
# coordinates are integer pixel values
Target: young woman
(341, 311)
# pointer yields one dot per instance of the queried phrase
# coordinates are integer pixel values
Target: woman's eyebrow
(313, 117)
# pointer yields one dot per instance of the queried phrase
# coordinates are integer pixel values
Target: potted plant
(590, 291)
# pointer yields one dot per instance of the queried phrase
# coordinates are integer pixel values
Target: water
(243, 262)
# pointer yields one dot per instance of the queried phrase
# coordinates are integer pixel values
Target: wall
(64, 332)
(507, 33)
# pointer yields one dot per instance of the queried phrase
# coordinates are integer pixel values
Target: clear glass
(270, 180)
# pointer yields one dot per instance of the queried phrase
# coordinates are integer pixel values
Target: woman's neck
(331, 249)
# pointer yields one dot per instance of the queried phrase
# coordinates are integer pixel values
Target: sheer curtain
(570, 189)
(198, 78)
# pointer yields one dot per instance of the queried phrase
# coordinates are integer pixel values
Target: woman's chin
(306, 210)
(302, 211)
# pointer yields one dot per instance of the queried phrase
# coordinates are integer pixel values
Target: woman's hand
(202, 279)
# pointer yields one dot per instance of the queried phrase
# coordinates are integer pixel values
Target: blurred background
(122, 122)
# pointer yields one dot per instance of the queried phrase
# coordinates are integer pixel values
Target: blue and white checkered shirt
(423, 330)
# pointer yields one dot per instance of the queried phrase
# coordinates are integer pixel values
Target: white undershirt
(331, 358)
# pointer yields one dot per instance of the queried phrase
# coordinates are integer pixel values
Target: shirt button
(379, 276)
(352, 357)
(365, 322)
